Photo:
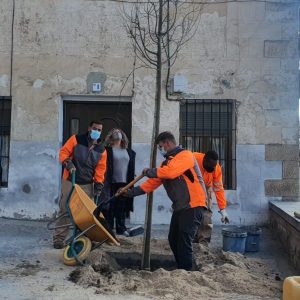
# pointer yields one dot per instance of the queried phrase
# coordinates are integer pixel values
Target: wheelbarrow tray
(82, 208)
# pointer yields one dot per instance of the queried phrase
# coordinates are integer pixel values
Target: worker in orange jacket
(212, 176)
(181, 177)
(83, 154)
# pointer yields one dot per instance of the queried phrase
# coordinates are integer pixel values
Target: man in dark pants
(182, 179)
(84, 154)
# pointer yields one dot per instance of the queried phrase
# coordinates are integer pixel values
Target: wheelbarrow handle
(129, 185)
(73, 178)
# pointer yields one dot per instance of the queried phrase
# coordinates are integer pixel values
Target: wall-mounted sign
(97, 87)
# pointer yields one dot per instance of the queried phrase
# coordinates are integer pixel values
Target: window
(210, 125)
(5, 115)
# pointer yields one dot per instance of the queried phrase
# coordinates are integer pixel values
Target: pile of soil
(218, 273)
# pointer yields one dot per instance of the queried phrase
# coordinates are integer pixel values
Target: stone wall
(288, 187)
(287, 230)
(242, 51)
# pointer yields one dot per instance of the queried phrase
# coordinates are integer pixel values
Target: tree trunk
(148, 217)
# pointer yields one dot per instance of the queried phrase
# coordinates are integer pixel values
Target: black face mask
(209, 168)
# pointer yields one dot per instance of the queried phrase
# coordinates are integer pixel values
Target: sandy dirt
(115, 270)
(31, 269)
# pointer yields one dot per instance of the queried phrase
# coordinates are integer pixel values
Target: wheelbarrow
(88, 224)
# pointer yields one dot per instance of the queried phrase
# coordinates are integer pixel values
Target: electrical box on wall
(179, 84)
(96, 87)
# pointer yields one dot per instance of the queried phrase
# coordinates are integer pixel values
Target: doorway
(78, 115)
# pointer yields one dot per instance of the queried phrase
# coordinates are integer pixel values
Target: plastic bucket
(234, 239)
(253, 238)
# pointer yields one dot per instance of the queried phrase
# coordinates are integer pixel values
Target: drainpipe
(12, 48)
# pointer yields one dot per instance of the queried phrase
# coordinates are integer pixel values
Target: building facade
(63, 63)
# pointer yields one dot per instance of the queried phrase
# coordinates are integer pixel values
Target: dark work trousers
(183, 227)
(117, 210)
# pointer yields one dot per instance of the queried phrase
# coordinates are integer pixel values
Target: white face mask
(162, 151)
(117, 135)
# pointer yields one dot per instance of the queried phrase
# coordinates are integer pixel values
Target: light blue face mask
(95, 134)
(162, 151)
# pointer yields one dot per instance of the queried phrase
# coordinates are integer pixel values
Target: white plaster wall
(58, 43)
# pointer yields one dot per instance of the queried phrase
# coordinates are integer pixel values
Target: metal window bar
(210, 125)
(5, 126)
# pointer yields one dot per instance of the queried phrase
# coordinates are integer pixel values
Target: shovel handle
(129, 185)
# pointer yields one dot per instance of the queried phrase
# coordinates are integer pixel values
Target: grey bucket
(234, 239)
(253, 238)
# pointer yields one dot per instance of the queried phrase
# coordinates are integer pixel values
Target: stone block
(276, 48)
(271, 170)
(268, 135)
(250, 153)
(290, 199)
(268, 101)
(289, 117)
(232, 11)
(282, 152)
(251, 11)
(255, 47)
(288, 233)
(245, 135)
(290, 135)
(288, 31)
(272, 117)
(281, 12)
(290, 101)
(289, 65)
(285, 188)
(290, 169)
(270, 66)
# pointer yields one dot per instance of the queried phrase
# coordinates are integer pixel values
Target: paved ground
(31, 269)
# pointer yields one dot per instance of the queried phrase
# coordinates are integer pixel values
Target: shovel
(100, 207)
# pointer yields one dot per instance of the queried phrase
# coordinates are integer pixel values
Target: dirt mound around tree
(115, 270)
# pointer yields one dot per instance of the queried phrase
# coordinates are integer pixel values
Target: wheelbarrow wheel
(82, 247)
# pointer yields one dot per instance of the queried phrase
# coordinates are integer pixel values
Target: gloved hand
(68, 164)
(98, 186)
(150, 173)
(124, 193)
(225, 218)
(127, 193)
(133, 192)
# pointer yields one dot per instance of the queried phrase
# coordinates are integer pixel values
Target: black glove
(69, 165)
(98, 186)
(136, 191)
(150, 173)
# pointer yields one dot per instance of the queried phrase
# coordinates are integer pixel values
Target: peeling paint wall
(241, 51)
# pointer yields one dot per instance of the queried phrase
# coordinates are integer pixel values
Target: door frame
(85, 99)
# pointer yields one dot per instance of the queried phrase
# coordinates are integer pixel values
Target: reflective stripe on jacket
(179, 174)
(89, 160)
(213, 180)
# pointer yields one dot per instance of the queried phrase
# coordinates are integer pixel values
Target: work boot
(58, 245)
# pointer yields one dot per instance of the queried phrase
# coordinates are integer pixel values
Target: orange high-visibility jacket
(213, 180)
(181, 178)
(90, 162)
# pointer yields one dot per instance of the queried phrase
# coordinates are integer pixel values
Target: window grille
(211, 125)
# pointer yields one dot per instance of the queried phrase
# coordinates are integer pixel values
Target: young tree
(159, 29)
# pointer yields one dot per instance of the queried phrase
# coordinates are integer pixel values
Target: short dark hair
(95, 122)
(213, 155)
(165, 136)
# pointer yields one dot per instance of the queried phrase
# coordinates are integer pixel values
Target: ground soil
(31, 269)
(115, 270)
